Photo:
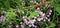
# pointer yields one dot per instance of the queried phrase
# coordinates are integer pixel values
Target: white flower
(22, 26)
(49, 13)
(44, 20)
(29, 25)
(24, 17)
(35, 17)
(32, 21)
(31, 0)
(46, 5)
(20, 22)
(2, 18)
(35, 2)
(33, 25)
(17, 26)
(49, 20)
(50, 10)
(41, 18)
(38, 8)
(38, 19)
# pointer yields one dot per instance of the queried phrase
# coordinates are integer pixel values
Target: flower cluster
(41, 17)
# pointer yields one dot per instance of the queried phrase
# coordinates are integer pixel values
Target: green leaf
(58, 9)
(11, 14)
(6, 4)
(52, 25)
(33, 14)
(47, 27)
(4, 23)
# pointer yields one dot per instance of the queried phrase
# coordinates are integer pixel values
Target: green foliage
(11, 15)
(44, 8)
(4, 23)
(27, 2)
(33, 14)
(52, 25)
(7, 4)
(38, 1)
(57, 9)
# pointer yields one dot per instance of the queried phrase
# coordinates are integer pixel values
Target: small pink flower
(38, 8)
(42, 14)
(50, 10)
(41, 18)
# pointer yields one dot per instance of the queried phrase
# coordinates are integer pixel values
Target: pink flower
(38, 8)
(42, 14)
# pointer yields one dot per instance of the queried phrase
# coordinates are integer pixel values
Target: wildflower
(20, 22)
(2, 18)
(38, 19)
(32, 21)
(22, 26)
(35, 17)
(50, 10)
(38, 8)
(41, 18)
(44, 20)
(29, 25)
(33, 25)
(35, 2)
(24, 17)
(49, 13)
(49, 20)
(17, 26)
(42, 14)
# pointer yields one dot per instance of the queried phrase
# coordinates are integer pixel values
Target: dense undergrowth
(29, 14)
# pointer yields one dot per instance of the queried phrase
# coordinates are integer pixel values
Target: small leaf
(47, 27)
(52, 25)
(33, 14)
(4, 23)
(58, 10)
